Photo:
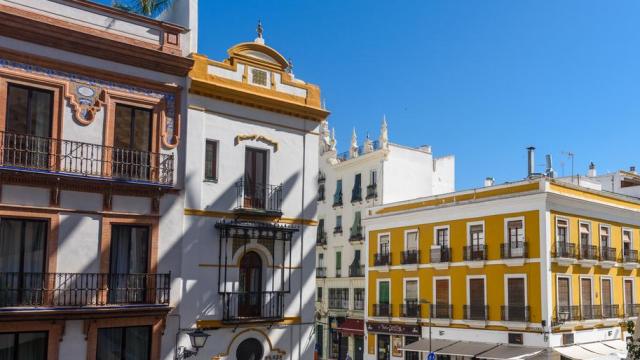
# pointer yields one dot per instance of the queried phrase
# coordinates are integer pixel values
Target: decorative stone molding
(256, 137)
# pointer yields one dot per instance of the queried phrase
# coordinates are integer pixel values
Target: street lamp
(198, 338)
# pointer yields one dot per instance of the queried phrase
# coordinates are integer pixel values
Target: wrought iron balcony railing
(66, 157)
(321, 272)
(252, 306)
(381, 309)
(337, 230)
(441, 311)
(590, 312)
(564, 250)
(82, 289)
(514, 250)
(610, 311)
(441, 254)
(608, 254)
(630, 256)
(252, 196)
(356, 194)
(339, 303)
(515, 313)
(337, 199)
(358, 304)
(356, 233)
(410, 257)
(382, 259)
(476, 312)
(410, 309)
(372, 191)
(321, 238)
(631, 310)
(588, 252)
(567, 313)
(475, 252)
(356, 270)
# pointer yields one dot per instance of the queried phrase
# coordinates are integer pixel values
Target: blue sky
(478, 79)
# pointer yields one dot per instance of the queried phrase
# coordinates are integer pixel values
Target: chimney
(531, 151)
(489, 181)
(632, 169)
(549, 170)
(592, 170)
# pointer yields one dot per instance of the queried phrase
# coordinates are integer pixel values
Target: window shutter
(412, 240)
(563, 291)
(411, 290)
(442, 291)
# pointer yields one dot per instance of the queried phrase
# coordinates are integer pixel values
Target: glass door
(128, 265)
(250, 297)
(132, 143)
(255, 178)
(384, 345)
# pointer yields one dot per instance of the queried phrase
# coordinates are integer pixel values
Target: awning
(599, 348)
(422, 345)
(576, 352)
(505, 352)
(616, 344)
(466, 348)
(352, 327)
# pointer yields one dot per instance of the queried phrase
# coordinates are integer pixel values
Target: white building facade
(370, 174)
(250, 207)
(91, 121)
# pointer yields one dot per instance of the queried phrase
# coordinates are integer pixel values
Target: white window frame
(590, 233)
(506, 228)
(561, 218)
(506, 287)
(469, 277)
(378, 281)
(435, 235)
(406, 238)
(604, 226)
(569, 277)
(404, 288)
(633, 290)
(433, 294)
(590, 277)
(630, 230)
(484, 232)
(378, 242)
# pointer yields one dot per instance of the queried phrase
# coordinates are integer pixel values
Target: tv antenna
(572, 156)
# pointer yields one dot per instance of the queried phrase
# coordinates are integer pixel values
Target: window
(356, 193)
(411, 241)
(585, 234)
(562, 227)
(383, 292)
(628, 292)
(319, 294)
(358, 299)
(255, 178)
(338, 263)
(563, 292)
(515, 233)
(606, 298)
(337, 197)
(411, 291)
(383, 244)
(128, 262)
(476, 235)
(211, 160)
(373, 177)
(23, 345)
(259, 77)
(356, 229)
(442, 236)
(22, 261)
(586, 299)
(132, 140)
(338, 227)
(626, 241)
(604, 236)
(123, 343)
(476, 306)
(320, 260)
(442, 299)
(516, 300)
(339, 298)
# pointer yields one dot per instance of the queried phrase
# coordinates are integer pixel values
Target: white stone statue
(368, 145)
(353, 151)
(384, 134)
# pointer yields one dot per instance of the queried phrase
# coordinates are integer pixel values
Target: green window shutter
(383, 292)
(355, 229)
(338, 260)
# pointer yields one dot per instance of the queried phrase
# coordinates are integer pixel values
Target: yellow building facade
(538, 264)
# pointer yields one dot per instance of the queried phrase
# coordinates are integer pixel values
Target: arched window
(249, 349)
(250, 287)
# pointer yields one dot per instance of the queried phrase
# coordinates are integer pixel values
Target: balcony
(321, 272)
(258, 198)
(382, 310)
(358, 304)
(630, 259)
(356, 270)
(588, 255)
(89, 161)
(631, 310)
(356, 233)
(356, 195)
(441, 254)
(321, 238)
(382, 259)
(410, 257)
(610, 311)
(337, 199)
(337, 230)
(515, 313)
(514, 250)
(591, 312)
(410, 309)
(338, 304)
(441, 311)
(321, 192)
(565, 253)
(372, 191)
(252, 306)
(566, 313)
(476, 312)
(608, 256)
(475, 252)
(82, 289)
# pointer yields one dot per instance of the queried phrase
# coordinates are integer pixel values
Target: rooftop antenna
(572, 156)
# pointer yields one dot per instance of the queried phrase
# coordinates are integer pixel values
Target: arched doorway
(249, 349)
(250, 297)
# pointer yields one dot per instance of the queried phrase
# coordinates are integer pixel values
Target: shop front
(390, 338)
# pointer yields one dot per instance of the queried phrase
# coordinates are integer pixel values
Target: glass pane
(411, 290)
(109, 344)
(210, 160)
(34, 244)
(142, 130)
(40, 113)
(10, 245)
(122, 127)
(412, 241)
(138, 341)
(7, 342)
(17, 109)
(32, 346)
(139, 250)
